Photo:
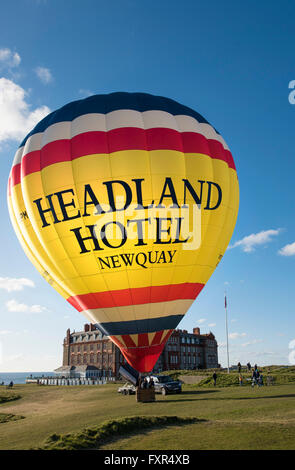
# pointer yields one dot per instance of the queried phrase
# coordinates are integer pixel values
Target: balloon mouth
(143, 359)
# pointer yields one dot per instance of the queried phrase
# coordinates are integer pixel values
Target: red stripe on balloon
(143, 359)
(143, 340)
(89, 143)
(231, 162)
(128, 341)
(135, 296)
(167, 336)
(157, 338)
(15, 175)
(127, 138)
(31, 163)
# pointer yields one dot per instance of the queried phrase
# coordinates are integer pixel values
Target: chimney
(68, 335)
(196, 331)
(86, 327)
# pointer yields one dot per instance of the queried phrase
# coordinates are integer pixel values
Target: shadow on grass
(142, 433)
(291, 395)
(178, 397)
(198, 392)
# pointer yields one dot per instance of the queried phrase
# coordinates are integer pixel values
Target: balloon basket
(145, 395)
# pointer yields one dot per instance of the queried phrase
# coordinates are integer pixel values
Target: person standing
(240, 380)
(255, 376)
(214, 376)
(144, 383)
(239, 367)
(151, 383)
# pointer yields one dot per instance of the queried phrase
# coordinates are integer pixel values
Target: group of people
(145, 383)
(257, 377)
(10, 385)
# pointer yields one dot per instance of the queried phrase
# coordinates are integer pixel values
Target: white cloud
(254, 341)
(236, 335)
(234, 320)
(11, 284)
(266, 353)
(250, 242)
(287, 250)
(9, 59)
(15, 306)
(5, 332)
(211, 324)
(201, 320)
(16, 117)
(44, 74)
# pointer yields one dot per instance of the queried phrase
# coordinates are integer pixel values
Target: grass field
(234, 417)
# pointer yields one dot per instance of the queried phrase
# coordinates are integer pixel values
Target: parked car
(127, 389)
(165, 384)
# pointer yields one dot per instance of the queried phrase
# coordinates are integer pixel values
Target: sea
(20, 377)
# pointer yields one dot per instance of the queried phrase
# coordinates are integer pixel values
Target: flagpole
(225, 306)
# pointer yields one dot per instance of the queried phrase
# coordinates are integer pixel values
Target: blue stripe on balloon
(134, 327)
(112, 102)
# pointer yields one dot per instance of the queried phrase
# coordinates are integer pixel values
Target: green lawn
(235, 417)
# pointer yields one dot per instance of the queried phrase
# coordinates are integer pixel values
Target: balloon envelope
(125, 203)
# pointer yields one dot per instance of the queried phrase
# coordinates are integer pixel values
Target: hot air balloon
(103, 195)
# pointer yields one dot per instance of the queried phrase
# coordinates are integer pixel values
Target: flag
(225, 304)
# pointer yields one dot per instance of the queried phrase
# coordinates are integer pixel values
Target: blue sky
(232, 62)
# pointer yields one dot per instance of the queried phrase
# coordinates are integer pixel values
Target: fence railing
(69, 381)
